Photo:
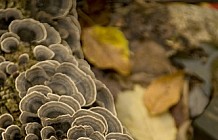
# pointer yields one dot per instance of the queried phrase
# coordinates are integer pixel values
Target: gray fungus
(41, 62)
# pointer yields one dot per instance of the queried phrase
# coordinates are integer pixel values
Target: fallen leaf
(136, 118)
(164, 92)
(106, 48)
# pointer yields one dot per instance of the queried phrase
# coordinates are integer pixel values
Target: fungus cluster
(41, 64)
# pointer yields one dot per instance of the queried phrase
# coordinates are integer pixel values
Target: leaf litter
(148, 52)
(141, 124)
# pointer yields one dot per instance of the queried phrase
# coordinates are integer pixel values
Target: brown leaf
(164, 92)
(106, 48)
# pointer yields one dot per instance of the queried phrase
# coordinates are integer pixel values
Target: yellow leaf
(164, 92)
(106, 48)
(136, 118)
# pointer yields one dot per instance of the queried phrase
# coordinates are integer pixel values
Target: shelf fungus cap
(79, 97)
(83, 82)
(23, 59)
(32, 102)
(29, 30)
(61, 84)
(104, 97)
(47, 132)
(114, 125)
(49, 66)
(53, 97)
(84, 138)
(36, 76)
(118, 136)
(33, 128)
(76, 132)
(8, 15)
(27, 117)
(3, 65)
(95, 123)
(42, 53)
(85, 67)
(61, 124)
(56, 9)
(9, 45)
(61, 52)
(70, 101)
(2, 59)
(40, 88)
(9, 34)
(85, 112)
(54, 109)
(80, 131)
(53, 37)
(97, 136)
(6, 120)
(11, 68)
(31, 136)
(12, 132)
(67, 25)
(21, 84)
(86, 86)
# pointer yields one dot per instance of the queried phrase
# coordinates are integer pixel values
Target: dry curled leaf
(164, 92)
(106, 48)
(136, 118)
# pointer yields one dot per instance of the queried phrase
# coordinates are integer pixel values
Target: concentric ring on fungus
(6, 120)
(55, 8)
(54, 109)
(83, 82)
(29, 30)
(42, 53)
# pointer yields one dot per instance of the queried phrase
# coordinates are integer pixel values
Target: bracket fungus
(83, 82)
(7, 16)
(41, 53)
(31, 137)
(32, 102)
(2, 59)
(23, 59)
(9, 34)
(118, 136)
(39, 88)
(36, 76)
(33, 128)
(49, 66)
(47, 132)
(54, 109)
(53, 37)
(61, 52)
(6, 120)
(62, 85)
(55, 9)
(43, 67)
(95, 123)
(11, 68)
(12, 132)
(29, 30)
(9, 45)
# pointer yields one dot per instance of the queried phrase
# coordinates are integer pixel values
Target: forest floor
(160, 62)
